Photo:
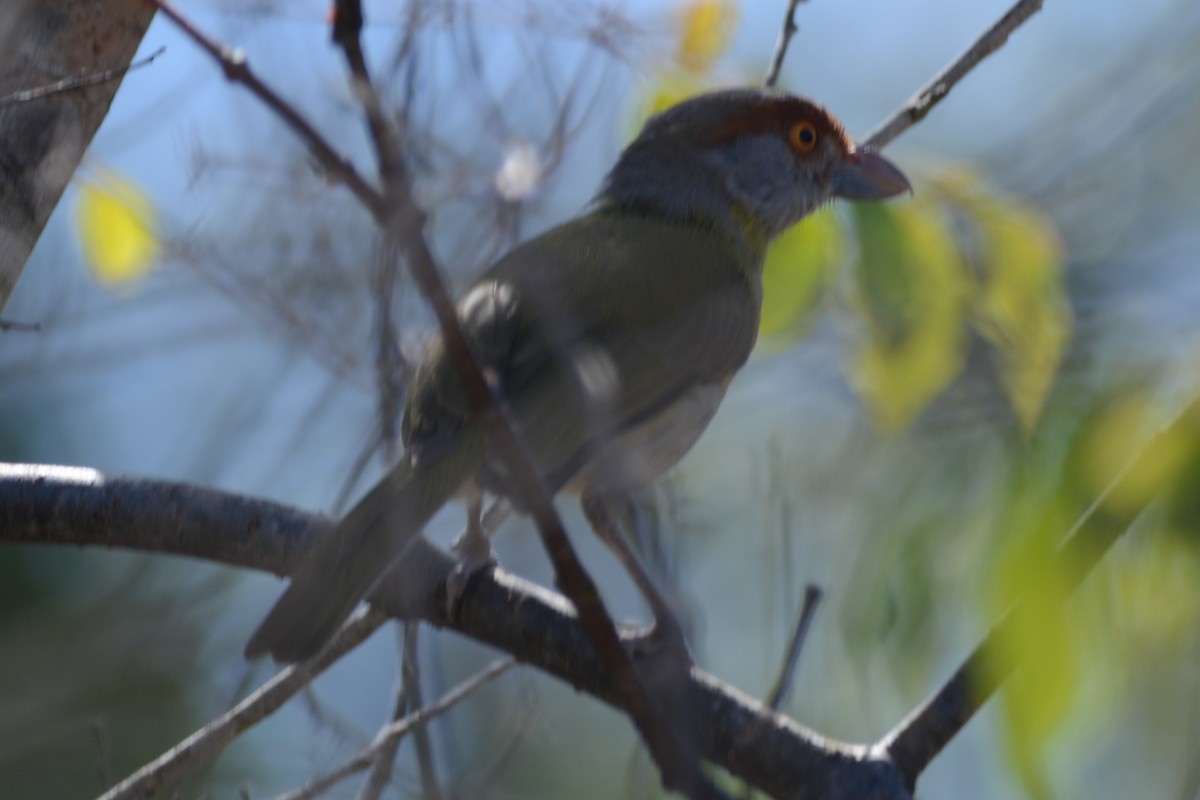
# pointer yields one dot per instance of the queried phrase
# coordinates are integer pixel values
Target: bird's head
(732, 153)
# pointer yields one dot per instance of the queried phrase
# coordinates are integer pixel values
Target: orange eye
(803, 137)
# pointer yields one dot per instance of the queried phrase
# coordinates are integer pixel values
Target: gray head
(726, 154)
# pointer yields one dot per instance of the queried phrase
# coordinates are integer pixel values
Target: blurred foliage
(908, 291)
(956, 258)
(1018, 297)
(68, 732)
(118, 228)
(1117, 468)
(800, 266)
(706, 28)
(946, 307)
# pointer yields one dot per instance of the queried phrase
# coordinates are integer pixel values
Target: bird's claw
(473, 554)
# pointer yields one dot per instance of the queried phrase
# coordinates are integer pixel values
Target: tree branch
(205, 744)
(915, 742)
(936, 90)
(237, 70)
(389, 738)
(767, 750)
(76, 82)
(781, 44)
(67, 505)
(404, 226)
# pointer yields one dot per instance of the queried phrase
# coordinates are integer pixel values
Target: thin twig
(923, 102)
(787, 672)
(237, 69)
(404, 225)
(394, 732)
(384, 762)
(781, 44)
(411, 668)
(204, 745)
(76, 82)
(406, 221)
(22, 327)
(391, 368)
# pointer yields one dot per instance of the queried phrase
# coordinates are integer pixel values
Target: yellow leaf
(1038, 637)
(1020, 304)
(705, 30)
(909, 290)
(1124, 447)
(797, 270)
(1157, 596)
(118, 229)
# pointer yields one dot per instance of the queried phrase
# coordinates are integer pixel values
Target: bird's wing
(594, 327)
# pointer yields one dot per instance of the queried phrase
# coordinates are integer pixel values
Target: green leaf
(1040, 638)
(798, 269)
(1019, 301)
(909, 290)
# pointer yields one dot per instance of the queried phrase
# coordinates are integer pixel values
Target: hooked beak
(866, 175)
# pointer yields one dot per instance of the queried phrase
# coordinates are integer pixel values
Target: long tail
(346, 563)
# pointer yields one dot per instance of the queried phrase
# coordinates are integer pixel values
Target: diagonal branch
(237, 69)
(403, 222)
(390, 736)
(76, 82)
(404, 226)
(781, 44)
(936, 90)
(923, 734)
(205, 744)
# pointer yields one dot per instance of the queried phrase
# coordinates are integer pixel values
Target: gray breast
(639, 455)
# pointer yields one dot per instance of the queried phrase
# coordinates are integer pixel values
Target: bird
(612, 337)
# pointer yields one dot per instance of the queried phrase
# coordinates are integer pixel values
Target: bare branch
(923, 102)
(409, 697)
(76, 82)
(385, 759)
(204, 745)
(404, 228)
(921, 736)
(389, 737)
(403, 221)
(66, 505)
(787, 672)
(237, 69)
(781, 44)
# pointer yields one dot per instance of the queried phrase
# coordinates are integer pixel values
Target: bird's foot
(472, 554)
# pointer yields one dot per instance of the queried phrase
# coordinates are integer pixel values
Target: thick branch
(65, 505)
